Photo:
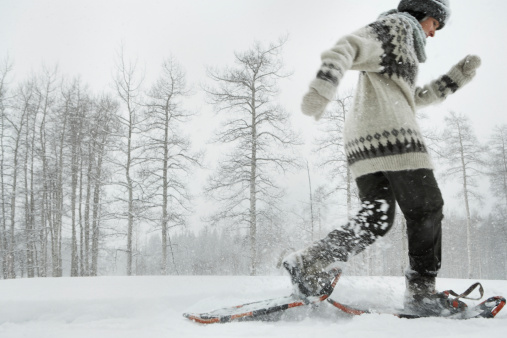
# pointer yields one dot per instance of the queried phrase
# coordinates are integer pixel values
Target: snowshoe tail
(266, 310)
(487, 309)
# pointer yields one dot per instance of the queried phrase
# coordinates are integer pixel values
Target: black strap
(465, 294)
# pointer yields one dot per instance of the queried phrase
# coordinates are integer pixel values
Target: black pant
(420, 200)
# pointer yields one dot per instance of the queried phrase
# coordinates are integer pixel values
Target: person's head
(429, 25)
(427, 12)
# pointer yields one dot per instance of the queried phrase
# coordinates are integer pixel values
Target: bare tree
(330, 150)
(78, 115)
(17, 122)
(29, 180)
(105, 126)
(167, 155)
(6, 68)
(498, 163)
(46, 90)
(128, 88)
(463, 157)
(258, 131)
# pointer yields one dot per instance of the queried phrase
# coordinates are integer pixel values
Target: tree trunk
(164, 194)
(95, 219)
(74, 267)
(467, 207)
(89, 183)
(4, 244)
(253, 201)
(311, 202)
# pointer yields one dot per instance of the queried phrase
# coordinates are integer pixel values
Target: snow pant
(420, 200)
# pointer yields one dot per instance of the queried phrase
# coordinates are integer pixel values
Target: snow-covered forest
(100, 182)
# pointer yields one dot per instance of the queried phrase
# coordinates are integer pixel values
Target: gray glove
(314, 104)
(464, 71)
(469, 64)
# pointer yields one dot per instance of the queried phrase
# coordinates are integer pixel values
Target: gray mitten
(464, 71)
(469, 64)
(314, 104)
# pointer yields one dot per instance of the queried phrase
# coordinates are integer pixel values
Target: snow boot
(311, 273)
(423, 300)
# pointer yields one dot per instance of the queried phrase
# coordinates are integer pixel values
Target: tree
(498, 164)
(79, 106)
(17, 120)
(29, 181)
(167, 155)
(127, 83)
(463, 157)
(46, 90)
(259, 135)
(6, 68)
(330, 149)
(104, 126)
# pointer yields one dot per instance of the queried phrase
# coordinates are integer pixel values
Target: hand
(469, 64)
(314, 104)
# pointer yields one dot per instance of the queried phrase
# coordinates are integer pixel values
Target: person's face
(429, 26)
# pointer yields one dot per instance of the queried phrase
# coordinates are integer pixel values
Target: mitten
(464, 71)
(469, 64)
(314, 104)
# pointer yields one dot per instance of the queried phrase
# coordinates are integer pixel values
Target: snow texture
(153, 306)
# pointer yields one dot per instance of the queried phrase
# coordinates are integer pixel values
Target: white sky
(82, 37)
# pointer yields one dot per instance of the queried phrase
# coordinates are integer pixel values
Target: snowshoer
(385, 149)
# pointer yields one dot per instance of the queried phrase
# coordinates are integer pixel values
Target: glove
(314, 104)
(464, 71)
(469, 64)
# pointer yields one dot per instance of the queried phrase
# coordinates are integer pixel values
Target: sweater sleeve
(438, 90)
(356, 51)
(435, 92)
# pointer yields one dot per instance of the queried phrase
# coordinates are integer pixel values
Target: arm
(358, 51)
(438, 90)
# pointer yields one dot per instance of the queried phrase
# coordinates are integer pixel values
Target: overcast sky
(83, 37)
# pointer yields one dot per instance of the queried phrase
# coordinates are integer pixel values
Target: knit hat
(438, 9)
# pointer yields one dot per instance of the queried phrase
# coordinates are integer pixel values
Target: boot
(311, 272)
(422, 299)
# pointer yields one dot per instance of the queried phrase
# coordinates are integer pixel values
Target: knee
(378, 216)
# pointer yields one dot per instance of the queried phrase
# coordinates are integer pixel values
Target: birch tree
(167, 155)
(463, 157)
(46, 90)
(497, 171)
(330, 150)
(128, 88)
(79, 114)
(258, 133)
(498, 164)
(104, 127)
(5, 70)
(30, 186)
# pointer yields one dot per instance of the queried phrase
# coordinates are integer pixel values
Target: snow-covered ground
(153, 306)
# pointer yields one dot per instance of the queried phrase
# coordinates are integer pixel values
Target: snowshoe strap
(465, 294)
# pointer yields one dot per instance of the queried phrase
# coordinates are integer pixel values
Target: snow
(153, 306)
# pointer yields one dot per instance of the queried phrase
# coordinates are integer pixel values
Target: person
(385, 149)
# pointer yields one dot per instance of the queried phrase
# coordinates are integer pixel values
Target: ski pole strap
(465, 294)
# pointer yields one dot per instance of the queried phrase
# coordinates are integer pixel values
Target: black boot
(422, 299)
(311, 273)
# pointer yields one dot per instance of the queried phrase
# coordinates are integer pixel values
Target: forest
(99, 183)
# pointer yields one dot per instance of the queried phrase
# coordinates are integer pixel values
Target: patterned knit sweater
(381, 132)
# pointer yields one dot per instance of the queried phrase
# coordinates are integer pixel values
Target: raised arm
(438, 90)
